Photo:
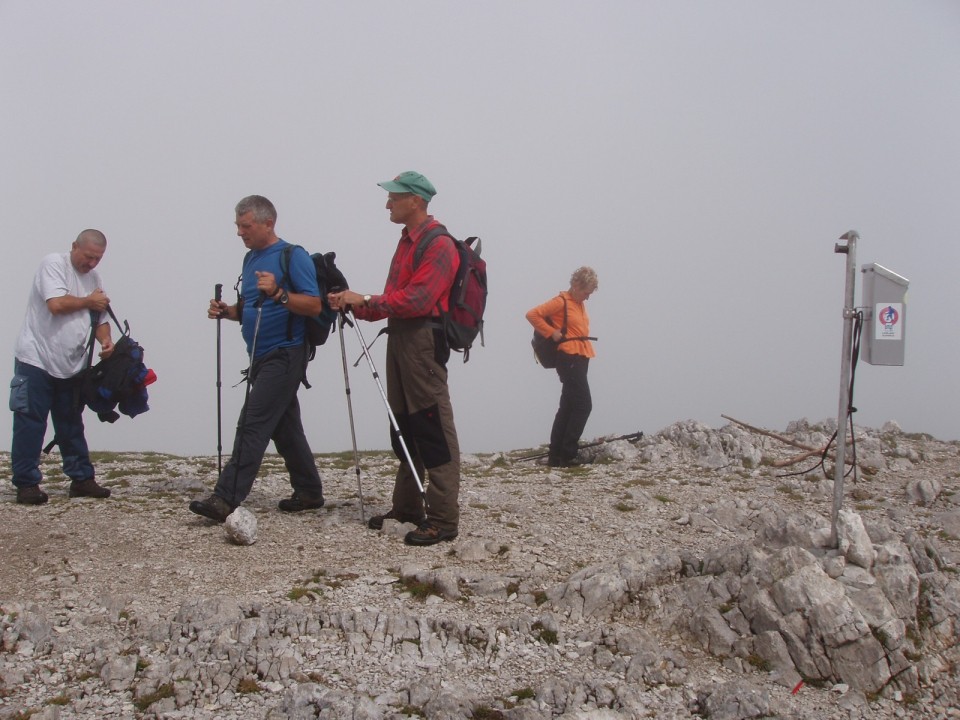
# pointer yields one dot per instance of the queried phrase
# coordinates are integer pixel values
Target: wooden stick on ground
(760, 431)
(788, 441)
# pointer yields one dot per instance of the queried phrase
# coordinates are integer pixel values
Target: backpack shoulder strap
(285, 255)
(563, 330)
(93, 336)
(563, 327)
(124, 327)
(424, 242)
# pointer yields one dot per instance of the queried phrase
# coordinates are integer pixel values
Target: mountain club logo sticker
(888, 317)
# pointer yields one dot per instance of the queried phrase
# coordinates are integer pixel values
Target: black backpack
(118, 382)
(463, 320)
(329, 279)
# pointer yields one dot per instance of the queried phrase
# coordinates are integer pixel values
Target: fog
(704, 158)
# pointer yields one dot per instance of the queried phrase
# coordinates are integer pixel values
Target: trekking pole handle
(218, 292)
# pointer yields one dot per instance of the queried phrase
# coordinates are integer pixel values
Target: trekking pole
(217, 295)
(353, 433)
(246, 398)
(253, 343)
(632, 437)
(393, 419)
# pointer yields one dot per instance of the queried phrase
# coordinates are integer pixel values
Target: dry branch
(810, 451)
(796, 458)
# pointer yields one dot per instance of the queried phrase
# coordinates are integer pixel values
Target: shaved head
(92, 237)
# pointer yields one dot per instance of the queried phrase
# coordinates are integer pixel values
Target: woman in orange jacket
(575, 353)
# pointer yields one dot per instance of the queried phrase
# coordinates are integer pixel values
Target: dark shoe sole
(415, 538)
(291, 506)
(101, 493)
(201, 508)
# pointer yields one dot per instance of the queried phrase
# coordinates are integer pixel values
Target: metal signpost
(884, 318)
(849, 312)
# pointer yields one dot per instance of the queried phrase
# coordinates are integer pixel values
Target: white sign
(889, 321)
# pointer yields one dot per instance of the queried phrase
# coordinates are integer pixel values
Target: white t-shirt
(56, 343)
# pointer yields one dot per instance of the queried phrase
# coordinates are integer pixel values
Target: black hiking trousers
(271, 412)
(575, 407)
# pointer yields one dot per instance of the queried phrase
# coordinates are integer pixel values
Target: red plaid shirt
(410, 293)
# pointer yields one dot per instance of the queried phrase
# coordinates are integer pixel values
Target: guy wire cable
(855, 357)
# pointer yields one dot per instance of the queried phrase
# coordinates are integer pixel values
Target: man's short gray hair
(261, 208)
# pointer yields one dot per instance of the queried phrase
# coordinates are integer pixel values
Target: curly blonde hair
(585, 278)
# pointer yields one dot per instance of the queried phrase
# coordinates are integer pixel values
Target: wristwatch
(284, 298)
(366, 299)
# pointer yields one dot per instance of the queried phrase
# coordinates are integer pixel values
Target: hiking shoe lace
(428, 534)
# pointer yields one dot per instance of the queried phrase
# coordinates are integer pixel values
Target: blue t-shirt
(301, 278)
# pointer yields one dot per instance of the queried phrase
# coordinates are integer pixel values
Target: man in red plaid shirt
(417, 354)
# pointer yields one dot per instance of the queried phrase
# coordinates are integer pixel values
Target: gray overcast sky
(704, 157)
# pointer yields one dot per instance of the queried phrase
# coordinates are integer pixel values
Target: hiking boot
(428, 534)
(213, 507)
(31, 495)
(297, 502)
(88, 488)
(376, 522)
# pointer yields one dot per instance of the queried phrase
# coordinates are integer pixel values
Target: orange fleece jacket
(549, 317)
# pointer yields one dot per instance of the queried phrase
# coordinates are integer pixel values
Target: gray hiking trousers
(271, 412)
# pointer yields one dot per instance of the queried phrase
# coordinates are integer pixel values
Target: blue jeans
(34, 395)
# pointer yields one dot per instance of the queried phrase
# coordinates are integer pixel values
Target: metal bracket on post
(849, 313)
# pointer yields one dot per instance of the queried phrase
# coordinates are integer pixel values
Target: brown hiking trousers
(419, 397)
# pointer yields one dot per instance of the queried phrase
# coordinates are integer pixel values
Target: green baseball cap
(410, 182)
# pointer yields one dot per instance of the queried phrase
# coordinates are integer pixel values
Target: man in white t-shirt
(66, 302)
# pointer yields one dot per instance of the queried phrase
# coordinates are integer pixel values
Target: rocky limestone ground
(685, 575)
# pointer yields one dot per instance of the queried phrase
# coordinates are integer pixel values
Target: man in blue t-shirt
(272, 321)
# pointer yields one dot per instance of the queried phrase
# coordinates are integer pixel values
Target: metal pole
(393, 418)
(218, 295)
(353, 432)
(242, 425)
(849, 312)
